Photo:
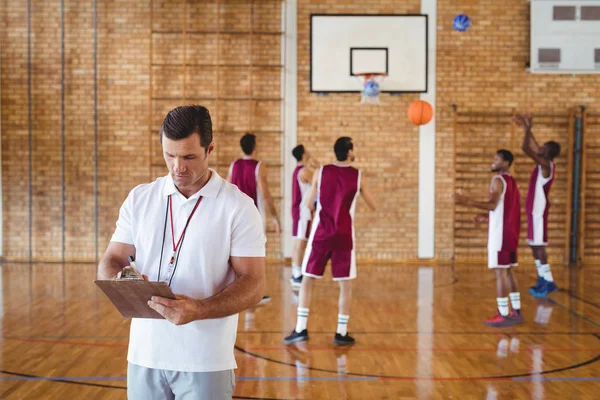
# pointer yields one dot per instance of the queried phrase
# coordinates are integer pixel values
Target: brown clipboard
(131, 297)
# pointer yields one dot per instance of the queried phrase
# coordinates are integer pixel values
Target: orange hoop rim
(369, 75)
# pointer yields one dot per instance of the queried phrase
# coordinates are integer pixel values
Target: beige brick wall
(130, 107)
(481, 70)
(386, 142)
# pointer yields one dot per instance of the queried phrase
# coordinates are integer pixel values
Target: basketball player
(332, 237)
(504, 226)
(250, 176)
(538, 204)
(301, 214)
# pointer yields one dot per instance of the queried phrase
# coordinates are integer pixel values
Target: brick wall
(386, 143)
(481, 71)
(144, 69)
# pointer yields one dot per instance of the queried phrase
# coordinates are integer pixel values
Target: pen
(132, 262)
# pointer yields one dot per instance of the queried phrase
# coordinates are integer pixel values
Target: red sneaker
(500, 321)
(516, 316)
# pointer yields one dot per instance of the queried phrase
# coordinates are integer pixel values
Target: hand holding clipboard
(131, 291)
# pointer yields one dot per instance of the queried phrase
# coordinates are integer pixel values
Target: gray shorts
(147, 383)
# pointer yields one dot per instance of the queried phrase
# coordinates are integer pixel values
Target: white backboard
(343, 45)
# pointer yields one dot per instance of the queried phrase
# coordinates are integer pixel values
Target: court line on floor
(239, 378)
(432, 349)
(543, 378)
(119, 345)
(354, 348)
(513, 333)
(75, 380)
(570, 310)
(426, 333)
(570, 294)
(388, 377)
(571, 367)
(299, 379)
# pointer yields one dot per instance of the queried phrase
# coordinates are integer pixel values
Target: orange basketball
(420, 112)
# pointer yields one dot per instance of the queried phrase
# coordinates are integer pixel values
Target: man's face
(351, 156)
(544, 151)
(498, 164)
(186, 159)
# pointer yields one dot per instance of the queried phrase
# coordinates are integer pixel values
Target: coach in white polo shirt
(205, 238)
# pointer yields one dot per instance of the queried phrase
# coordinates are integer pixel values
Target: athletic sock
(547, 273)
(515, 301)
(296, 271)
(302, 319)
(342, 327)
(502, 306)
(538, 265)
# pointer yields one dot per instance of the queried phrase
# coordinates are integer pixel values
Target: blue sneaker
(551, 287)
(543, 291)
(538, 284)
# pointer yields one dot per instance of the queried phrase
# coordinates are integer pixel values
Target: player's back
(339, 186)
(244, 174)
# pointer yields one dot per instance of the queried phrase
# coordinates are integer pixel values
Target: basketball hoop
(371, 82)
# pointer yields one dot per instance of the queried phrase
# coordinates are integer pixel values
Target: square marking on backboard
(368, 59)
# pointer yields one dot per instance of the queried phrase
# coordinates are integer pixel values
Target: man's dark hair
(248, 143)
(184, 121)
(506, 156)
(298, 152)
(341, 148)
(553, 149)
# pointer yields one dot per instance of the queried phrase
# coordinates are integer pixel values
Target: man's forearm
(272, 209)
(108, 268)
(244, 292)
(482, 205)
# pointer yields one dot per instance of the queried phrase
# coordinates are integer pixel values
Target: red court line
(444, 379)
(437, 350)
(390, 349)
(68, 343)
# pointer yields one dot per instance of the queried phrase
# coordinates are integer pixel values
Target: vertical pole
(576, 186)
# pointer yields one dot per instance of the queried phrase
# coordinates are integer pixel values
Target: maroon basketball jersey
(339, 187)
(505, 220)
(244, 174)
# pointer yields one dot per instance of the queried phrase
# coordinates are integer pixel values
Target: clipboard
(131, 296)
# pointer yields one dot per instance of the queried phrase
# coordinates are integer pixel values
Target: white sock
(342, 365)
(296, 271)
(502, 348)
(342, 327)
(514, 345)
(515, 300)
(542, 316)
(547, 273)
(502, 306)
(538, 265)
(302, 319)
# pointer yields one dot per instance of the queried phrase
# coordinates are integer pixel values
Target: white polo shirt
(225, 224)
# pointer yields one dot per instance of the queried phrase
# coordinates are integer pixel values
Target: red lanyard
(176, 246)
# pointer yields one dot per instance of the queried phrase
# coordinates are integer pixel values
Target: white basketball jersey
(496, 219)
(305, 213)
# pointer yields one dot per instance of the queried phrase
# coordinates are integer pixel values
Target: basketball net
(372, 85)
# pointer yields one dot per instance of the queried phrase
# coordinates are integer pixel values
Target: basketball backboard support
(343, 45)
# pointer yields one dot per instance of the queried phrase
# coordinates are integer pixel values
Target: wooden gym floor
(419, 335)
